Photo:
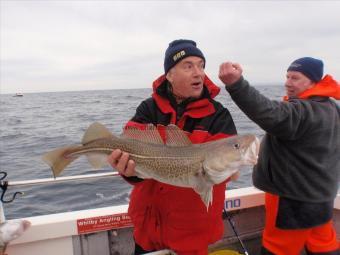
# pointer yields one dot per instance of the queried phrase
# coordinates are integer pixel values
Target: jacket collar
(196, 109)
(212, 88)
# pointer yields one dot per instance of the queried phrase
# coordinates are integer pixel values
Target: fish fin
(96, 131)
(148, 135)
(206, 194)
(57, 161)
(203, 187)
(218, 176)
(176, 137)
(97, 160)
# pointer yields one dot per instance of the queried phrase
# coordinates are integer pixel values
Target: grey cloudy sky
(85, 45)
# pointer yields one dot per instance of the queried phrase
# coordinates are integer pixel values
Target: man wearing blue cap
(165, 216)
(298, 165)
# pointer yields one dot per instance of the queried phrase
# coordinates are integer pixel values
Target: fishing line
(232, 224)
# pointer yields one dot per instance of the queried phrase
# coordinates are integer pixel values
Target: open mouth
(196, 84)
(289, 91)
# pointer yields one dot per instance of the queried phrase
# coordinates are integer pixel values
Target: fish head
(224, 157)
(247, 147)
(240, 150)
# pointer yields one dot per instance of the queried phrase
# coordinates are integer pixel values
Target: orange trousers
(319, 239)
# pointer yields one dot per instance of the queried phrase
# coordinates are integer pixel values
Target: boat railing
(4, 184)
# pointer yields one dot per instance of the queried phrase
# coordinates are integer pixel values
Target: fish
(177, 161)
(11, 230)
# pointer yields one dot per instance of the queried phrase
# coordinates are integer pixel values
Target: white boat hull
(108, 230)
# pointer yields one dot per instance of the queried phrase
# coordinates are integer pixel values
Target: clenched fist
(230, 73)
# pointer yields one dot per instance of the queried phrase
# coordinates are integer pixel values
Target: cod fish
(176, 162)
(11, 230)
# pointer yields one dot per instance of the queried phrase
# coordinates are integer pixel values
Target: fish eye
(237, 146)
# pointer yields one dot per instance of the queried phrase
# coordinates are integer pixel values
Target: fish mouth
(252, 152)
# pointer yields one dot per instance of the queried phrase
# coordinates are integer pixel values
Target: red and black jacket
(166, 216)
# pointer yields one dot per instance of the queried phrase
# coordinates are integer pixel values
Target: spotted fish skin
(177, 162)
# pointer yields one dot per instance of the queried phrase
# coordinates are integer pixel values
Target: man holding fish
(168, 216)
(298, 164)
(178, 152)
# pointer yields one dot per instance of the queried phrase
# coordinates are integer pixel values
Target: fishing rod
(232, 224)
(5, 184)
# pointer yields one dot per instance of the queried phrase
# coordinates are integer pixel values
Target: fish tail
(57, 160)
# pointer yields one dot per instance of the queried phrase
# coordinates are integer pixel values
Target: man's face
(296, 83)
(187, 77)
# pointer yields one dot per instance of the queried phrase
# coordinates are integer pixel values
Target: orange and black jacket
(299, 155)
(165, 216)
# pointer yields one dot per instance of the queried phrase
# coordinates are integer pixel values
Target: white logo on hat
(295, 65)
(178, 55)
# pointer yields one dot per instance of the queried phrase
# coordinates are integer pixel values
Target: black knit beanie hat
(310, 67)
(178, 50)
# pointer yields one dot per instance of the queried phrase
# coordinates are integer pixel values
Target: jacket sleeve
(282, 119)
(144, 113)
(222, 123)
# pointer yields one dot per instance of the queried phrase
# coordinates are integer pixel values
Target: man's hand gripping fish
(177, 162)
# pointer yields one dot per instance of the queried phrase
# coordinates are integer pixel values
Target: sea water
(39, 122)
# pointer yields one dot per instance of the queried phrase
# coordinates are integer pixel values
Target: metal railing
(4, 184)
